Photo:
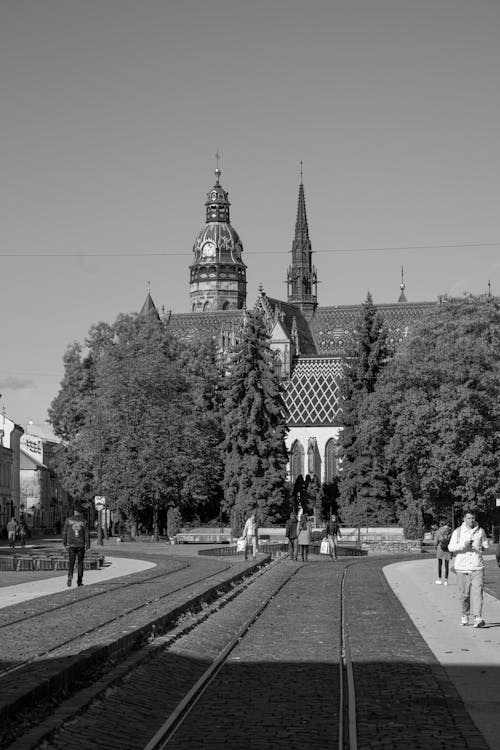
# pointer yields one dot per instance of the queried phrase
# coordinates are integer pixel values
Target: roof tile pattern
(332, 327)
(312, 395)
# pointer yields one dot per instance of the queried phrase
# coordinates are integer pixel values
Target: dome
(217, 241)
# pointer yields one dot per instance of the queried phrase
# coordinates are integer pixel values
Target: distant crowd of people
(17, 531)
(298, 531)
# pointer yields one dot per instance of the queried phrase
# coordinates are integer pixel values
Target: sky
(112, 112)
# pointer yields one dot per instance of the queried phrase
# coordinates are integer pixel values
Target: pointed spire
(149, 308)
(302, 278)
(402, 286)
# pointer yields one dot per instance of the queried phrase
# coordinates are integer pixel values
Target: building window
(296, 461)
(331, 460)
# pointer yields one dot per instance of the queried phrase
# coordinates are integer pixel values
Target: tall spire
(402, 286)
(302, 281)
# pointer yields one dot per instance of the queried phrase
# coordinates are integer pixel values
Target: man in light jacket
(468, 542)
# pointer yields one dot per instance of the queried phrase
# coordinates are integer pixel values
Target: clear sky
(112, 111)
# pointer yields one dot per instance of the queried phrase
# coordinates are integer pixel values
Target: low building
(44, 502)
(10, 496)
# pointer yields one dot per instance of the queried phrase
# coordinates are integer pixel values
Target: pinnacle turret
(302, 281)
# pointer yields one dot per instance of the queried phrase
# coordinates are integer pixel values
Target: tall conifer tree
(363, 486)
(255, 454)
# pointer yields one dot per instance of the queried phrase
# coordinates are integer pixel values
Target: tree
(363, 486)
(129, 415)
(255, 455)
(435, 412)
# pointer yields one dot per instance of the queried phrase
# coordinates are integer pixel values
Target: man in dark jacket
(291, 534)
(76, 540)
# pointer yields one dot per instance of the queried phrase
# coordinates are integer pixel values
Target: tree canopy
(134, 412)
(433, 420)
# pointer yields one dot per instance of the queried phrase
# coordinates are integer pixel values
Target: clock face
(208, 250)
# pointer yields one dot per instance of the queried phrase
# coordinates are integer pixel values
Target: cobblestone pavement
(51, 627)
(280, 685)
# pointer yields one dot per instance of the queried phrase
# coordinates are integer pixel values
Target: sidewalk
(470, 656)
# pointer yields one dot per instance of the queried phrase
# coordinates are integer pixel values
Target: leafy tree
(255, 455)
(129, 414)
(363, 486)
(435, 412)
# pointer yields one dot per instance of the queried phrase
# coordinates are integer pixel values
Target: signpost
(100, 504)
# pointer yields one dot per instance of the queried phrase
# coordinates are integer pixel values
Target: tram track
(347, 732)
(101, 623)
(335, 634)
(95, 592)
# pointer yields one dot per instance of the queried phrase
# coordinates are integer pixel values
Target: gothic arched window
(331, 460)
(296, 461)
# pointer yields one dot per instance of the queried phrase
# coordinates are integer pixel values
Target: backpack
(444, 543)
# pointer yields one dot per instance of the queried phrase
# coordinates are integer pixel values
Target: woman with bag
(305, 530)
(442, 539)
(332, 533)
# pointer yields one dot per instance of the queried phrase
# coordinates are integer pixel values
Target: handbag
(324, 547)
(241, 545)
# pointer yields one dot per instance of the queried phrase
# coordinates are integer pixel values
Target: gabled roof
(312, 395)
(286, 312)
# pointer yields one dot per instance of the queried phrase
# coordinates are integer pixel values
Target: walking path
(470, 656)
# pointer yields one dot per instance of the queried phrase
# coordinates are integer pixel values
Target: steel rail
(96, 593)
(26, 662)
(347, 740)
(163, 736)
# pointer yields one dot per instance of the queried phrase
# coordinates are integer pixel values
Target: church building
(309, 339)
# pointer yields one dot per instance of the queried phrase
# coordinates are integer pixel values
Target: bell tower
(218, 274)
(302, 279)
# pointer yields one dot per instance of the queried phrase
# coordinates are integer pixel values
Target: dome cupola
(218, 274)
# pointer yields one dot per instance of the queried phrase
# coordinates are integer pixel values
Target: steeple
(218, 274)
(402, 286)
(149, 307)
(302, 281)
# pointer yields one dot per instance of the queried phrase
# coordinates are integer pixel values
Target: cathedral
(309, 339)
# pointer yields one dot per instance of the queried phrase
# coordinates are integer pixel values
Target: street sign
(99, 502)
(498, 502)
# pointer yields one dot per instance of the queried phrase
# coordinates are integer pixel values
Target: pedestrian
(332, 533)
(443, 554)
(497, 554)
(291, 535)
(304, 538)
(250, 532)
(12, 528)
(76, 540)
(468, 542)
(22, 533)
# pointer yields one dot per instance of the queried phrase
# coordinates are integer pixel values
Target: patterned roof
(312, 395)
(188, 326)
(331, 327)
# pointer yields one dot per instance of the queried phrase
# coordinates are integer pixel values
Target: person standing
(250, 531)
(304, 538)
(22, 533)
(332, 533)
(442, 540)
(468, 542)
(76, 540)
(291, 535)
(12, 529)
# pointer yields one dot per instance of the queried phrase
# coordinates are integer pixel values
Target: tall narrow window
(296, 461)
(331, 460)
